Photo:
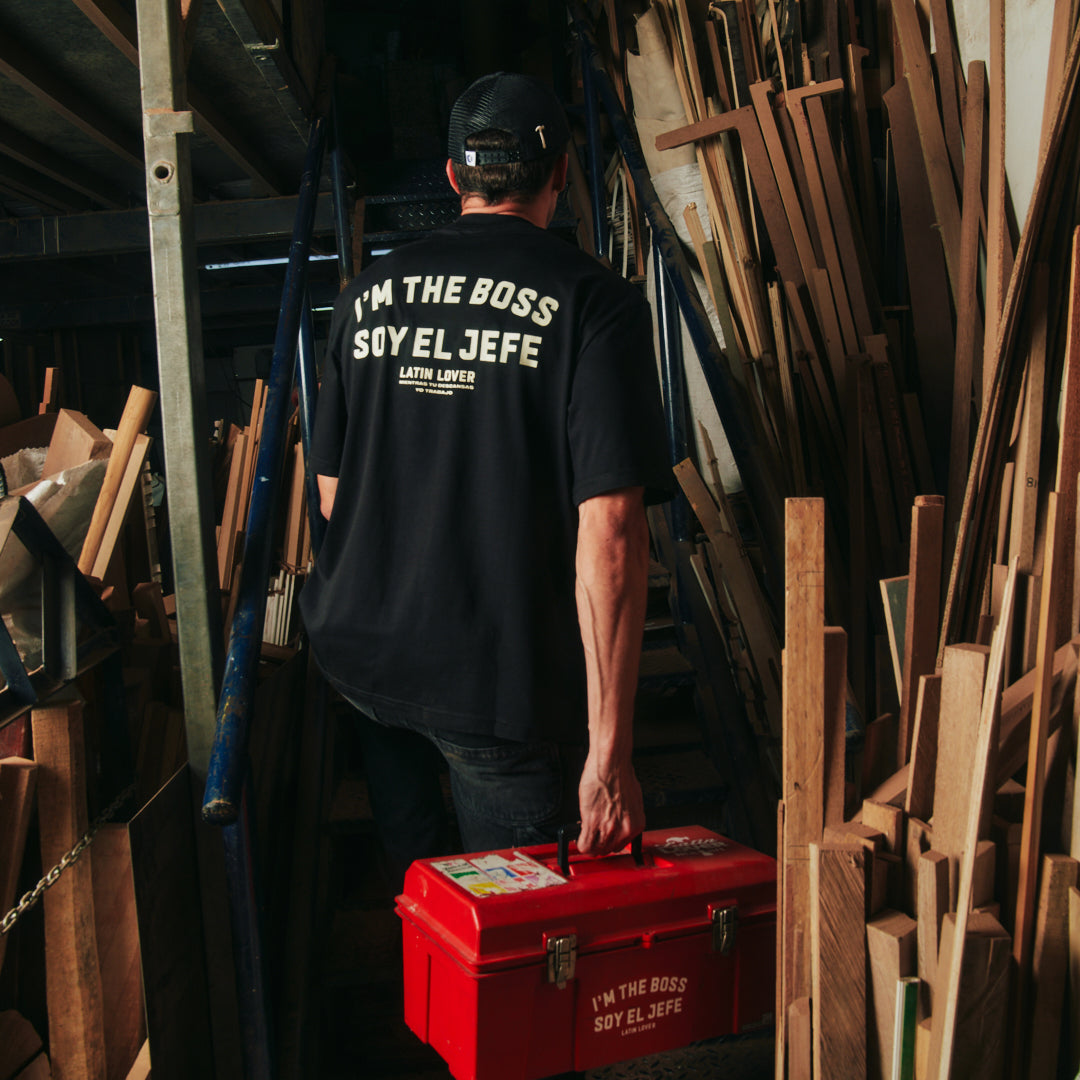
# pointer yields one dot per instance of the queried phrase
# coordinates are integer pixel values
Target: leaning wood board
(17, 783)
(73, 980)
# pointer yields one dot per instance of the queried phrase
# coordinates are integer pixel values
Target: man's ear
(559, 175)
(451, 177)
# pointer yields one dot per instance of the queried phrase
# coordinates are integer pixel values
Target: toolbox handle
(571, 831)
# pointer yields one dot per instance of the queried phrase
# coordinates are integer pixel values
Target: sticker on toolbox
(685, 846)
(496, 875)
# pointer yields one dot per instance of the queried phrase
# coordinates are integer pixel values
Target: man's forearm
(612, 580)
(327, 491)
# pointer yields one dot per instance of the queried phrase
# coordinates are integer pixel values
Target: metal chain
(53, 876)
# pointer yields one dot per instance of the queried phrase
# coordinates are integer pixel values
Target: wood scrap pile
(241, 448)
(88, 944)
(854, 175)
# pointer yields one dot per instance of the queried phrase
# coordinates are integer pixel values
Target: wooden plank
(969, 317)
(923, 610)
(1074, 973)
(838, 882)
(996, 221)
(129, 484)
(803, 728)
(38, 1069)
(1068, 463)
(894, 599)
(226, 543)
(861, 287)
(1025, 499)
(835, 733)
(18, 778)
(1036, 776)
(73, 980)
(962, 680)
(759, 95)
(928, 273)
(1049, 965)
(944, 1034)
(901, 465)
(792, 424)
(924, 749)
(167, 901)
(932, 907)
(118, 949)
(954, 131)
(137, 410)
(864, 160)
(140, 1069)
(982, 995)
(920, 79)
(878, 470)
(19, 1042)
(75, 440)
(890, 946)
(742, 584)
(800, 1040)
(50, 395)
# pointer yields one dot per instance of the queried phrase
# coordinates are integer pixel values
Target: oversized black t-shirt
(479, 384)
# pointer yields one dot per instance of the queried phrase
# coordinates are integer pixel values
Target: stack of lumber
(241, 454)
(932, 932)
(924, 418)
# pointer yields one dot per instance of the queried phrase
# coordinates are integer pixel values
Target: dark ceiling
(73, 224)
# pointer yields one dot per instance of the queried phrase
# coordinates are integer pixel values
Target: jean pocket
(509, 784)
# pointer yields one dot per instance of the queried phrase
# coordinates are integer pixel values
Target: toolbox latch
(562, 958)
(724, 922)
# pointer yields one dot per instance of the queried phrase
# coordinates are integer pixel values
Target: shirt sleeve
(615, 422)
(331, 412)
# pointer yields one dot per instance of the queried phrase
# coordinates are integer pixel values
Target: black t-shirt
(479, 384)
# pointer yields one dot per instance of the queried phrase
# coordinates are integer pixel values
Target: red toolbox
(515, 971)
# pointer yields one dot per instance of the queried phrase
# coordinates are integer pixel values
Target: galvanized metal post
(166, 123)
(339, 191)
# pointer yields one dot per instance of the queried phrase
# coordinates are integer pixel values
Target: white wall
(1027, 48)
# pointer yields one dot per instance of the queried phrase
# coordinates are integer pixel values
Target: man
(488, 432)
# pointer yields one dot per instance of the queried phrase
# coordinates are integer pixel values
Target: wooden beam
(838, 883)
(982, 994)
(118, 949)
(962, 682)
(17, 782)
(835, 732)
(1068, 463)
(73, 979)
(890, 946)
(944, 1034)
(968, 317)
(1074, 972)
(1049, 966)
(920, 79)
(19, 1043)
(803, 730)
(923, 610)
(996, 222)
(19, 64)
(924, 749)
(932, 907)
(1036, 776)
(136, 414)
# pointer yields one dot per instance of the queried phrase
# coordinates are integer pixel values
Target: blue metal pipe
(339, 193)
(597, 187)
(253, 1002)
(309, 391)
(674, 383)
(228, 755)
(729, 397)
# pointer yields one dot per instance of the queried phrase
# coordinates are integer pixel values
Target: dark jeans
(506, 794)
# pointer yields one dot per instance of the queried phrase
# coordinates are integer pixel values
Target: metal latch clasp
(562, 958)
(724, 922)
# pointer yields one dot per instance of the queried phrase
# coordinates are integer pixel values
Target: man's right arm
(327, 491)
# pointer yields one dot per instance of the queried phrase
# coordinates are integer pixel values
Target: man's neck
(532, 211)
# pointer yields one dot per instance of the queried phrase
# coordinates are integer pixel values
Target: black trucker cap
(520, 106)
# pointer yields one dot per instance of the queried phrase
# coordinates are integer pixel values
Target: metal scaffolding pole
(166, 122)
